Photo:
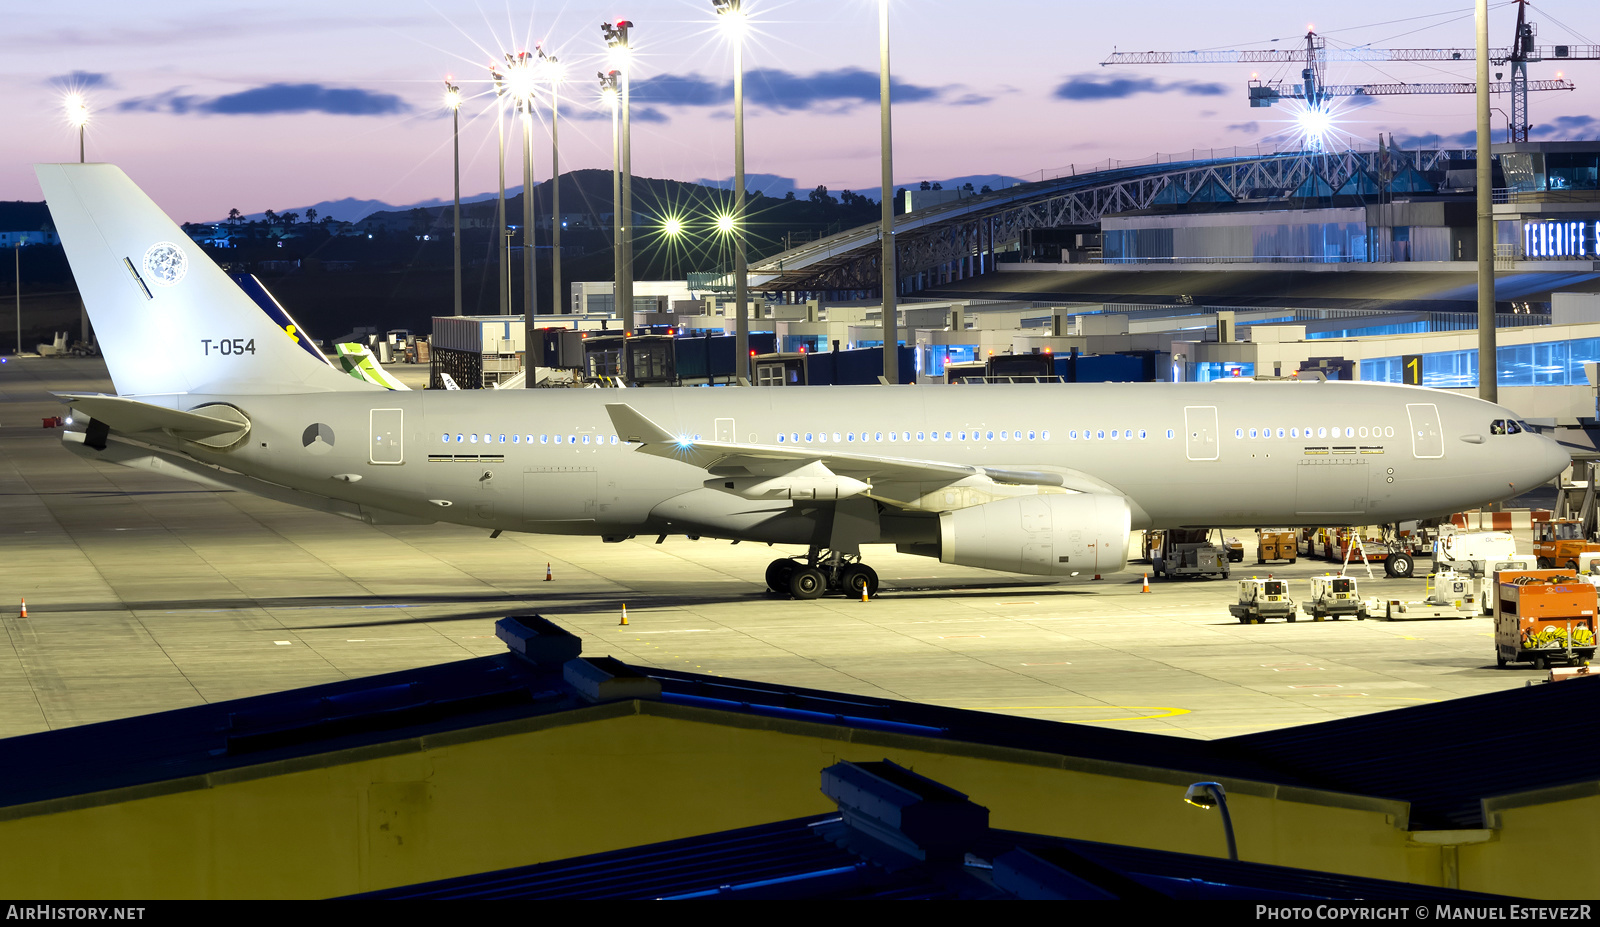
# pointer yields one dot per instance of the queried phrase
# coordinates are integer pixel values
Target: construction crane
(1314, 91)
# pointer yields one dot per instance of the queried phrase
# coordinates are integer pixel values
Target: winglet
(636, 428)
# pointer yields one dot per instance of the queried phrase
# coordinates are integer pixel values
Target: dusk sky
(230, 104)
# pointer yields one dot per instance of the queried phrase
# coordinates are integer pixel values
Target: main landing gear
(819, 574)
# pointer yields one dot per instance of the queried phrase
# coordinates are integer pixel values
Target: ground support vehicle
(1398, 610)
(1260, 599)
(1276, 544)
(1559, 543)
(1334, 597)
(1473, 583)
(1544, 617)
(1234, 548)
(1188, 552)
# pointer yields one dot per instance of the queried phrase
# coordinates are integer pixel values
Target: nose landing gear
(822, 573)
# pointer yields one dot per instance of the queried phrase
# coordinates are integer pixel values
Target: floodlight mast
(452, 99)
(731, 14)
(608, 89)
(616, 36)
(520, 68)
(552, 66)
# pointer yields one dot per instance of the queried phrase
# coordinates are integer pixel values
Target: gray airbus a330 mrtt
(1039, 479)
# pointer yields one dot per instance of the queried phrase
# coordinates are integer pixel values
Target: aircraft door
(1200, 430)
(387, 444)
(1427, 435)
(725, 431)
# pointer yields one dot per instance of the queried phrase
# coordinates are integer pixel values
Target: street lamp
(617, 40)
(608, 90)
(1211, 794)
(552, 70)
(520, 85)
(730, 13)
(502, 238)
(77, 115)
(452, 99)
(891, 327)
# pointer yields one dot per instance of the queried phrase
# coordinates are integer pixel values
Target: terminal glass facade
(1546, 363)
(1207, 371)
(933, 357)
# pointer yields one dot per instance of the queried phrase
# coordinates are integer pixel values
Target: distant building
(23, 224)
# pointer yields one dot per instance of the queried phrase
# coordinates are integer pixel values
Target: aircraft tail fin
(168, 319)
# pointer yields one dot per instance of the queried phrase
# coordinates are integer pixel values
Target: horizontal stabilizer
(130, 416)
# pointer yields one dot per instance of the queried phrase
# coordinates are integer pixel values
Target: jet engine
(1054, 534)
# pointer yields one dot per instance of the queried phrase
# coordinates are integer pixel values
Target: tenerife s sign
(1561, 239)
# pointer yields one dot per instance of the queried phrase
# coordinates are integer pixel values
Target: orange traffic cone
(863, 592)
(1097, 576)
(24, 608)
(547, 576)
(624, 621)
(1146, 587)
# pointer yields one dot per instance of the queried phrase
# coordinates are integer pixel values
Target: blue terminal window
(935, 356)
(1218, 370)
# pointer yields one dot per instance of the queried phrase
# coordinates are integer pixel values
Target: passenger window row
(1346, 431)
(592, 439)
(922, 437)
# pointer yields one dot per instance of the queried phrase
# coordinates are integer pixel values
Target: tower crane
(1314, 91)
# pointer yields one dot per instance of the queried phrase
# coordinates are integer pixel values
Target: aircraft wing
(885, 478)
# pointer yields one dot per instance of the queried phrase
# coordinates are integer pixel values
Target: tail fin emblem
(165, 263)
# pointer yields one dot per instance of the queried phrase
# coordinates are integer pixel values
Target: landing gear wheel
(807, 583)
(1400, 566)
(859, 576)
(778, 572)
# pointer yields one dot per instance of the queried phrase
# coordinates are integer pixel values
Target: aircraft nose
(1550, 459)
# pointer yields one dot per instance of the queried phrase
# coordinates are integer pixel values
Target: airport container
(483, 334)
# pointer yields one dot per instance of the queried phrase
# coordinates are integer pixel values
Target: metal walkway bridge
(955, 240)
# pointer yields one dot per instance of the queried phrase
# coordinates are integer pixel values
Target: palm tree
(311, 215)
(235, 216)
(270, 217)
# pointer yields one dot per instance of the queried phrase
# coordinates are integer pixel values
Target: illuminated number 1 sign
(1411, 369)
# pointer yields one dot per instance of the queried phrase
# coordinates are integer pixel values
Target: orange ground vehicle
(1276, 544)
(1558, 543)
(1542, 617)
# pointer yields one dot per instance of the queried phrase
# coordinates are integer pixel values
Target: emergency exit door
(1200, 432)
(1427, 435)
(388, 436)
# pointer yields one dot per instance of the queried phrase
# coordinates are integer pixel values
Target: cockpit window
(1506, 426)
(1513, 427)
